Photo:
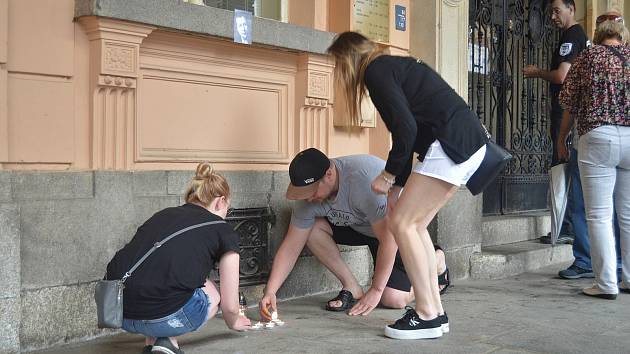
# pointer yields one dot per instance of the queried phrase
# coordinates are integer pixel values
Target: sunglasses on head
(603, 18)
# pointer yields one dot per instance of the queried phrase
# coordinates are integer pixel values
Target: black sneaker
(164, 345)
(147, 349)
(444, 321)
(562, 239)
(411, 326)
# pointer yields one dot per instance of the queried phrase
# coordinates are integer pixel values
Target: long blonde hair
(352, 52)
(206, 185)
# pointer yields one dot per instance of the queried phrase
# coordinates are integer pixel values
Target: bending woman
(425, 116)
(169, 295)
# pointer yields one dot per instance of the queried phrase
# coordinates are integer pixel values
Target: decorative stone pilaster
(314, 97)
(452, 44)
(114, 67)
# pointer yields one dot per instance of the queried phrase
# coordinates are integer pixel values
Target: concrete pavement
(528, 313)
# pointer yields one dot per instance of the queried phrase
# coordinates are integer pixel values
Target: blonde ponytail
(206, 185)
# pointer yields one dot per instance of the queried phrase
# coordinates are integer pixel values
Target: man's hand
(531, 71)
(367, 303)
(267, 302)
(242, 323)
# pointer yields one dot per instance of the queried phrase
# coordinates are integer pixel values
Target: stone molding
(114, 45)
(207, 20)
(314, 101)
(116, 81)
(119, 58)
(318, 84)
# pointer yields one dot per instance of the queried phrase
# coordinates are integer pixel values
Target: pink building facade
(98, 85)
(107, 105)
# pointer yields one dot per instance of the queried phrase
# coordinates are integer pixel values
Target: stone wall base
(58, 230)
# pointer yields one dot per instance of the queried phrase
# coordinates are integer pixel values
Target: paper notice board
(371, 18)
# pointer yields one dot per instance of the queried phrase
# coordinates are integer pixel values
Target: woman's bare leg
(429, 250)
(419, 202)
(396, 299)
(213, 294)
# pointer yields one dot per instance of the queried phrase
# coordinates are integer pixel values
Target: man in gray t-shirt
(334, 205)
(354, 204)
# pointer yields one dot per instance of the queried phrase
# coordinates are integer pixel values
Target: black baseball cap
(305, 171)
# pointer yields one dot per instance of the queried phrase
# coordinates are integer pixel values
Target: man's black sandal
(444, 279)
(347, 301)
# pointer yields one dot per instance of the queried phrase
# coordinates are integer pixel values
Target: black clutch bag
(493, 162)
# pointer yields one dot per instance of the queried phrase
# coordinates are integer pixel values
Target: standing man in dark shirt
(572, 41)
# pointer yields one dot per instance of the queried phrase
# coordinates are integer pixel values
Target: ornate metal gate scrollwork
(505, 36)
(253, 226)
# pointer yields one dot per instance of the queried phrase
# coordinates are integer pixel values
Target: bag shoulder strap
(625, 64)
(619, 55)
(160, 243)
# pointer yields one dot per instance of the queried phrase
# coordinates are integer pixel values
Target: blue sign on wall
(401, 18)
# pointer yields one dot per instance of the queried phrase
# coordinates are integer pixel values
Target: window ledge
(178, 15)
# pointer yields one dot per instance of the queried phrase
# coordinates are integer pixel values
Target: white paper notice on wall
(371, 18)
(242, 26)
(477, 59)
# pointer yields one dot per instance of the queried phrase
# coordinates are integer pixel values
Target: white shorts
(438, 165)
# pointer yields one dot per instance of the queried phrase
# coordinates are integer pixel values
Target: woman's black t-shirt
(419, 107)
(166, 280)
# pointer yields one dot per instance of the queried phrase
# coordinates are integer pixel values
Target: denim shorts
(187, 319)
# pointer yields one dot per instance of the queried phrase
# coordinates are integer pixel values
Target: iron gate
(504, 36)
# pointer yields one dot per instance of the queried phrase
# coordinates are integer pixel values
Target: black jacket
(418, 107)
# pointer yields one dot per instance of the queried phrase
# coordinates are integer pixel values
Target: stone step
(496, 262)
(499, 230)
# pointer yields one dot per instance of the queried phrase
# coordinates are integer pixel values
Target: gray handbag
(108, 294)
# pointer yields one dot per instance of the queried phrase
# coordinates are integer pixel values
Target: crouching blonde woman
(169, 295)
